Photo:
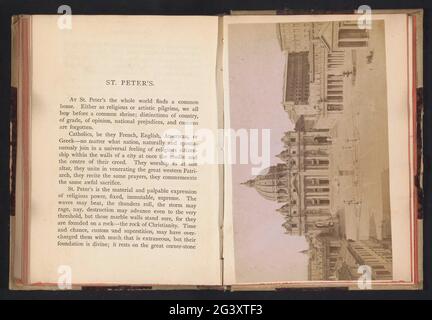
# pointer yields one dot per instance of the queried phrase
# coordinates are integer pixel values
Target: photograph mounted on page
(323, 213)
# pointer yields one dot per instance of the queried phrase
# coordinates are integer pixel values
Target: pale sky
(263, 252)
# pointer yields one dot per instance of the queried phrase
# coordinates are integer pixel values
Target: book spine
(19, 160)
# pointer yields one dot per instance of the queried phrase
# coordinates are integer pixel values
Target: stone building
(297, 78)
(274, 184)
(349, 35)
(334, 258)
(324, 255)
(319, 62)
(326, 50)
(294, 37)
(372, 253)
(301, 182)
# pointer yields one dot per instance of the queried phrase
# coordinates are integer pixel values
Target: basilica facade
(318, 55)
(301, 182)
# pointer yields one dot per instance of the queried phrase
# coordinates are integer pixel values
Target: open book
(239, 152)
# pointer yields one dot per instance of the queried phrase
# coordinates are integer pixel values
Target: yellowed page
(399, 154)
(170, 60)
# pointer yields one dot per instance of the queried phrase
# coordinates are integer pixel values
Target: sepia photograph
(322, 209)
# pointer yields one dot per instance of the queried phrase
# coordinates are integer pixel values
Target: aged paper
(105, 208)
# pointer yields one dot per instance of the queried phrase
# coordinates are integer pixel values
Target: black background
(189, 7)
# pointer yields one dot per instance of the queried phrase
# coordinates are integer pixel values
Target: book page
(325, 107)
(117, 197)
